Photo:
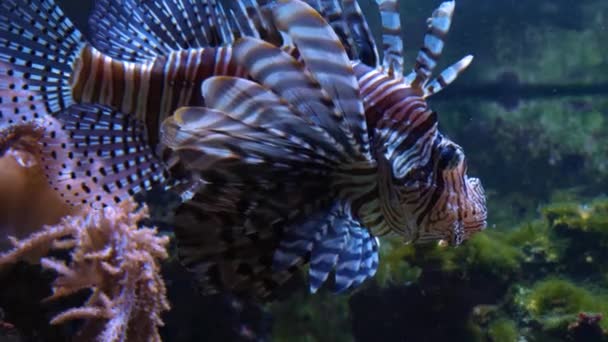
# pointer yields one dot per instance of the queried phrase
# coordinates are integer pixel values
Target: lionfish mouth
(465, 208)
(471, 213)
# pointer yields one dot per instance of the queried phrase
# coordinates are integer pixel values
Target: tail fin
(38, 46)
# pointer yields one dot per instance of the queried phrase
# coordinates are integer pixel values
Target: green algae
(581, 233)
(556, 303)
(394, 268)
(488, 324)
(592, 218)
(503, 330)
(488, 253)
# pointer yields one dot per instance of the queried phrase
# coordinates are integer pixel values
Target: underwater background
(532, 115)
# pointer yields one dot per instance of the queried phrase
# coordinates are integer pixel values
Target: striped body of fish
(295, 143)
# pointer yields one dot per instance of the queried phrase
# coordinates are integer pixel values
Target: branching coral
(114, 258)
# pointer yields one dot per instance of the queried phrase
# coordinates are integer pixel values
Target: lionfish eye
(450, 157)
(420, 174)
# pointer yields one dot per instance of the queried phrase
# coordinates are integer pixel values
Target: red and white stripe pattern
(151, 91)
(324, 55)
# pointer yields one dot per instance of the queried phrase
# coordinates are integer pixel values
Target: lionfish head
(437, 201)
(457, 207)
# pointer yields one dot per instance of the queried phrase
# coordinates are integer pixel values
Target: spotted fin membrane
(38, 46)
(94, 153)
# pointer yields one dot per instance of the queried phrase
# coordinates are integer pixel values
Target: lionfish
(288, 140)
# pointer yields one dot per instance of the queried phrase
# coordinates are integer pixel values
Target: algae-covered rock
(503, 330)
(394, 268)
(582, 234)
(556, 303)
(487, 323)
(591, 218)
(489, 253)
(431, 290)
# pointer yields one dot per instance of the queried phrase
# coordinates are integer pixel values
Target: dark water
(532, 116)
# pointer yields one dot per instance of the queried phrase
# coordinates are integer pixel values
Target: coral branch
(117, 261)
(34, 242)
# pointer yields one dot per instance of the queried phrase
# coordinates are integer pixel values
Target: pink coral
(114, 258)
